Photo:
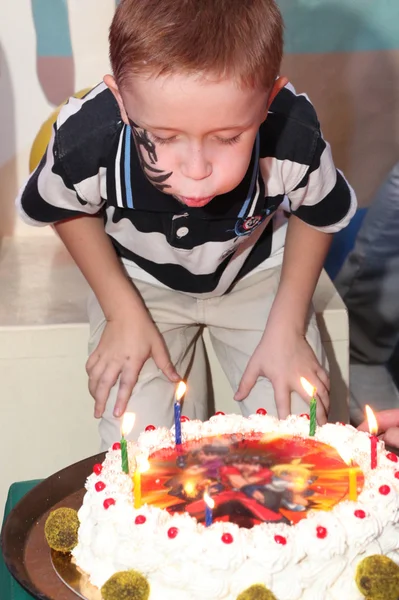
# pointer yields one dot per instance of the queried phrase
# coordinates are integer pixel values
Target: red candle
(373, 428)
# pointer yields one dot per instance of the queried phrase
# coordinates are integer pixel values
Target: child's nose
(196, 166)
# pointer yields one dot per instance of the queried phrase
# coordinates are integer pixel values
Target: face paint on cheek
(147, 152)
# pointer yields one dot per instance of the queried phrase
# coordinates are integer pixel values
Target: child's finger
(92, 361)
(282, 398)
(247, 382)
(324, 378)
(162, 360)
(106, 381)
(127, 382)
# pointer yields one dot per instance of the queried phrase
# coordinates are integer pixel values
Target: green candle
(125, 458)
(127, 426)
(312, 415)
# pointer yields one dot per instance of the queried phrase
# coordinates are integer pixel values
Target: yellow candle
(142, 465)
(352, 483)
(137, 487)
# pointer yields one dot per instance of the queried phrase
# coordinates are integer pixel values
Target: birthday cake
(245, 508)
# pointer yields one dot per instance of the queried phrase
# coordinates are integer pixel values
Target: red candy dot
(384, 490)
(108, 502)
(280, 539)
(116, 446)
(220, 412)
(172, 532)
(305, 415)
(140, 519)
(360, 514)
(397, 474)
(392, 457)
(340, 423)
(150, 428)
(184, 419)
(261, 411)
(97, 469)
(100, 486)
(321, 532)
(227, 538)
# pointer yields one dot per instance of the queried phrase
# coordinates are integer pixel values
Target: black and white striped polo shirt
(91, 166)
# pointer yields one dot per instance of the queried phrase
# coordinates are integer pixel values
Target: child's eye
(161, 141)
(232, 140)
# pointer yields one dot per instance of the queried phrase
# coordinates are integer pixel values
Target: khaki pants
(235, 321)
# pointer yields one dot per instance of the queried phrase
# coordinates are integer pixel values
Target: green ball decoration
(126, 585)
(377, 577)
(61, 529)
(256, 592)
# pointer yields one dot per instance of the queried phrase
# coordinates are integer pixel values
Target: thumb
(162, 360)
(247, 382)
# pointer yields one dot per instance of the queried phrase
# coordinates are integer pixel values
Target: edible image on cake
(262, 478)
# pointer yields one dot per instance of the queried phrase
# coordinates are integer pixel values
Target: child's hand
(283, 356)
(124, 347)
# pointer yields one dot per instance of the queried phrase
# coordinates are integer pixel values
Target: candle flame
(181, 390)
(308, 387)
(143, 464)
(372, 421)
(208, 500)
(346, 456)
(127, 423)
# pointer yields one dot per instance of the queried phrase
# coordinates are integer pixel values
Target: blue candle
(209, 504)
(181, 390)
(177, 422)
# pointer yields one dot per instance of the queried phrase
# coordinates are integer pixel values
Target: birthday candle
(127, 425)
(209, 505)
(373, 428)
(311, 391)
(142, 465)
(180, 391)
(352, 483)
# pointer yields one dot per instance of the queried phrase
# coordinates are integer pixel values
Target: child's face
(195, 135)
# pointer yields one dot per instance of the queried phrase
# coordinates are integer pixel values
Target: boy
(164, 184)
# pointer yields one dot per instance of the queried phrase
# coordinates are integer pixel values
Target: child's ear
(277, 87)
(112, 85)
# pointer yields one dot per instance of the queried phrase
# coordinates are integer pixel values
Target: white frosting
(196, 564)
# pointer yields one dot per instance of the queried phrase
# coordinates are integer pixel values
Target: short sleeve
(49, 195)
(323, 198)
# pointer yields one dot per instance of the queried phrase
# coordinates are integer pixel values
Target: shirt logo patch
(246, 226)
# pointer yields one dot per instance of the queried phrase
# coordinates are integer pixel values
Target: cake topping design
(99, 486)
(126, 585)
(97, 468)
(108, 502)
(256, 592)
(150, 428)
(116, 446)
(61, 529)
(252, 479)
(140, 519)
(377, 577)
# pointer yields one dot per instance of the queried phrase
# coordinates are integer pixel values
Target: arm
(89, 246)
(321, 203)
(286, 326)
(130, 337)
